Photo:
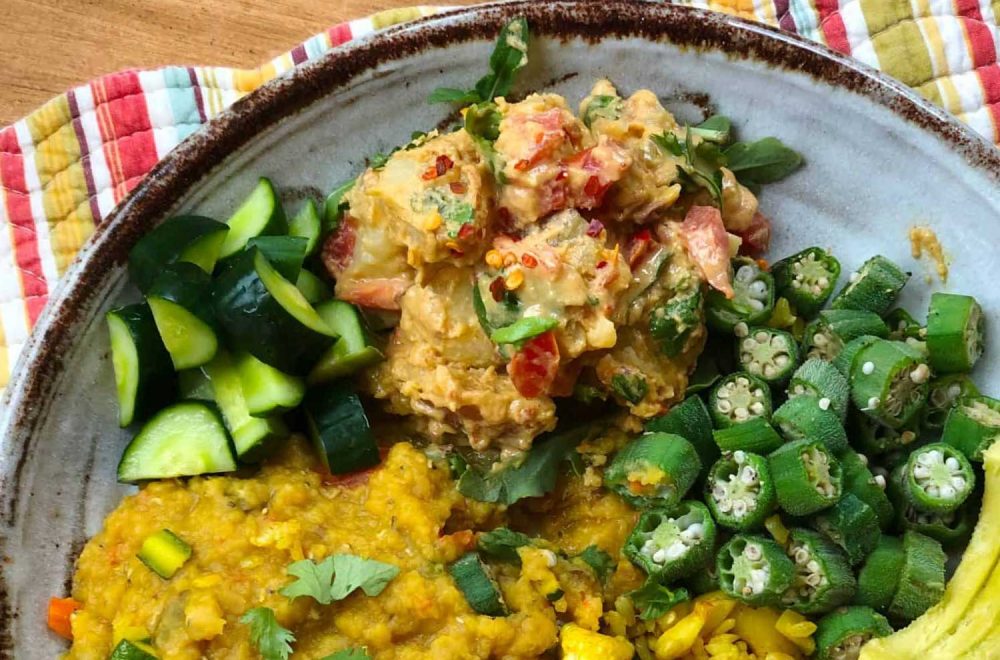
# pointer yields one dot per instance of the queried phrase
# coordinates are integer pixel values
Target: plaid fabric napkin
(67, 164)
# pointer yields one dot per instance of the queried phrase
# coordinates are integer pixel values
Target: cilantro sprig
(510, 55)
(272, 640)
(654, 599)
(502, 544)
(337, 576)
(349, 654)
(599, 561)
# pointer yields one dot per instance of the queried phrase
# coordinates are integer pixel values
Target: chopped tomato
(534, 367)
(757, 236)
(542, 132)
(338, 250)
(377, 293)
(708, 246)
(637, 247)
(61, 614)
(601, 166)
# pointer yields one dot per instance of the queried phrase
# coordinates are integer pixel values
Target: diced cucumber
(265, 315)
(306, 223)
(132, 650)
(266, 390)
(260, 214)
(285, 253)
(182, 440)
(253, 437)
(312, 287)
(192, 238)
(164, 553)
(354, 349)
(339, 428)
(195, 385)
(180, 299)
(144, 375)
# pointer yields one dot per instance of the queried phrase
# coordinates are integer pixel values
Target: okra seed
(752, 551)
(823, 282)
(676, 549)
(741, 329)
(761, 337)
(954, 391)
(921, 472)
(743, 382)
(693, 532)
(820, 339)
(824, 403)
(739, 508)
(741, 413)
(749, 344)
(724, 406)
(801, 556)
(725, 506)
(755, 304)
(933, 490)
(769, 370)
(958, 483)
(906, 437)
(873, 403)
(948, 492)
(718, 492)
(813, 566)
(757, 408)
(758, 289)
(739, 456)
(880, 481)
(782, 361)
(660, 556)
(952, 463)
(920, 374)
(748, 475)
(863, 459)
(867, 368)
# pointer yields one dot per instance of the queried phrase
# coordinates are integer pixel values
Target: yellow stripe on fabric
(949, 91)
(64, 185)
(247, 80)
(897, 41)
(4, 358)
(741, 8)
(389, 17)
(765, 12)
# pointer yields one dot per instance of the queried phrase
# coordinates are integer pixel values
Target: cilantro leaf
(600, 561)
(631, 387)
(482, 122)
(349, 654)
(535, 476)
(502, 544)
(764, 161)
(700, 164)
(272, 640)
(655, 600)
(352, 572)
(522, 330)
(510, 55)
(314, 579)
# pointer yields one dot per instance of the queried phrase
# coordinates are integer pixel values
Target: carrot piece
(60, 614)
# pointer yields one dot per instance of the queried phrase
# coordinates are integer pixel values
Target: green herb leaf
(763, 161)
(522, 330)
(349, 654)
(482, 122)
(510, 55)
(588, 393)
(654, 600)
(502, 544)
(452, 95)
(602, 106)
(336, 205)
(701, 162)
(352, 572)
(631, 387)
(272, 640)
(600, 561)
(314, 580)
(716, 128)
(534, 477)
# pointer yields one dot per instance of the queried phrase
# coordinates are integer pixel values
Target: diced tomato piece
(756, 237)
(708, 246)
(378, 293)
(544, 132)
(637, 247)
(60, 616)
(534, 367)
(338, 250)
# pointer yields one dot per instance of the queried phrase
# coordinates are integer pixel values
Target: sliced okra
(756, 435)
(807, 279)
(937, 478)
(845, 358)
(823, 578)
(810, 418)
(674, 322)
(841, 633)
(767, 353)
(972, 426)
(944, 394)
(738, 398)
(705, 580)
(903, 326)
(740, 491)
(873, 439)
(754, 570)
(807, 478)
(872, 288)
(921, 579)
(655, 469)
(822, 380)
(850, 524)
(878, 578)
(690, 420)
(752, 301)
(672, 544)
(860, 482)
(475, 580)
(956, 330)
(889, 383)
(827, 335)
(949, 529)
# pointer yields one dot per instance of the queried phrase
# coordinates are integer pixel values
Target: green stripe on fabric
(898, 42)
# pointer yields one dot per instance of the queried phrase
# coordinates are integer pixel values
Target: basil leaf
(353, 573)
(314, 580)
(655, 600)
(764, 161)
(701, 163)
(716, 128)
(510, 55)
(631, 387)
(502, 544)
(522, 330)
(272, 640)
(600, 561)
(349, 654)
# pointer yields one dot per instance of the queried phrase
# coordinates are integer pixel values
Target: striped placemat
(66, 165)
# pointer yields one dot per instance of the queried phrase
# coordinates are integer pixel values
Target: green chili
(807, 478)
(755, 435)
(769, 354)
(827, 335)
(754, 570)
(738, 398)
(879, 576)
(850, 524)
(823, 578)
(822, 380)
(841, 634)
(740, 491)
(654, 469)
(807, 279)
(889, 383)
(752, 301)
(972, 426)
(872, 288)
(921, 581)
(670, 544)
(809, 417)
(956, 330)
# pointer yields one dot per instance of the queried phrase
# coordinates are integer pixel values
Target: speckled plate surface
(879, 159)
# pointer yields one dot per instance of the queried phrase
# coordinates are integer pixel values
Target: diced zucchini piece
(354, 349)
(260, 214)
(312, 287)
(192, 238)
(132, 650)
(475, 580)
(164, 553)
(285, 253)
(182, 308)
(144, 374)
(182, 440)
(253, 437)
(339, 428)
(266, 390)
(306, 223)
(265, 315)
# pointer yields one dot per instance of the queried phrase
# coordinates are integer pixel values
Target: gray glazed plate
(879, 159)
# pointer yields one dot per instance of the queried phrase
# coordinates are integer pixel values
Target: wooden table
(48, 46)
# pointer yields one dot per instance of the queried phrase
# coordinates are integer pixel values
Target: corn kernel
(494, 259)
(514, 280)
(509, 259)
(433, 222)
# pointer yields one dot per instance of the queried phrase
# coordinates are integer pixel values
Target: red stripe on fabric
(340, 34)
(980, 42)
(199, 101)
(132, 131)
(299, 54)
(989, 76)
(832, 25)
(81, 138)
(24, 238)
(968, 9)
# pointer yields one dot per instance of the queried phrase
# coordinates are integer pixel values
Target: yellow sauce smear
(923, 240)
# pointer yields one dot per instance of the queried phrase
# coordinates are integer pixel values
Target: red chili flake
(497, 289)
(563, 173)
(595, 228)
(522, 165)
(466, 231)
(457, 187)
(601, 264)
(529, 260)
(593, 187)
(443, 164)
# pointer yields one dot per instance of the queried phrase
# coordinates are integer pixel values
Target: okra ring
(755, 435)
(807, 279)
(672, 544)
(889, 382)
(769, 354)
(738, 398)
(822, 380)
(823, 578)
(921, 581)
(850, 524)
(739, 491)
(807, 418)
(878, 579)
(873, 287)
(841, 634)
(754, 570)
(972, 426)
(807, 478)
(866, 486)
(751, 303)
(937, 478)
(956, 329)
(656, 469)
(826, 336)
